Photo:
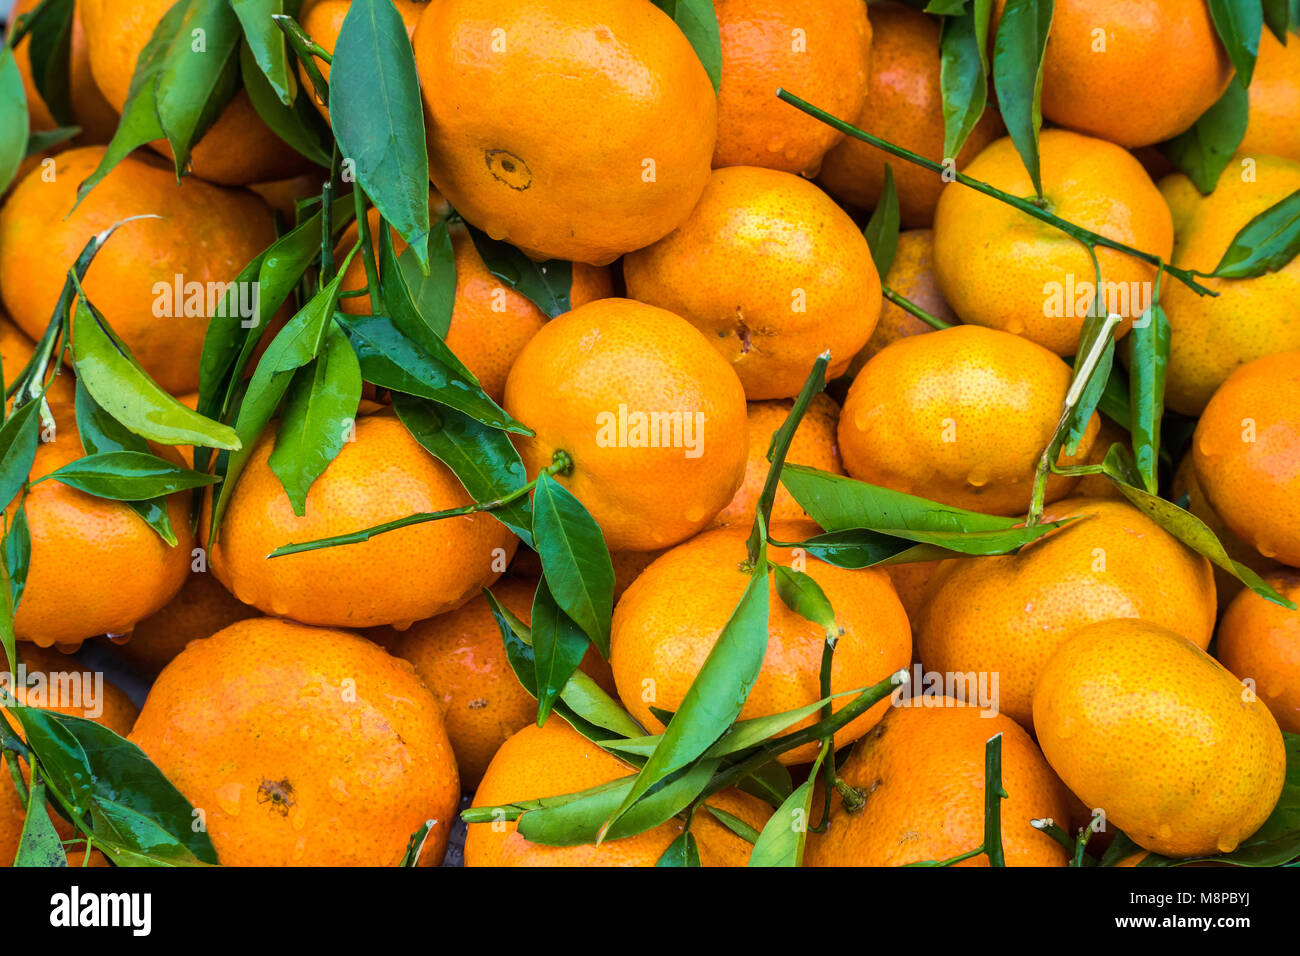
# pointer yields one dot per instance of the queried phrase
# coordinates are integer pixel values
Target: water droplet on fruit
(228, 795)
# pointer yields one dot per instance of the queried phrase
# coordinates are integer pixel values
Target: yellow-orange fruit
(1245, 319)
(771, 271)
(1000, 267)
(959, 416)
(1274, 115)
(813, 445)
(912, 584)
(904, 105)
(651, 416)
(304, 747)
(921, 771)
(555, 759)
(394, 578)
(1139, 721)
(547, 121)
(1260, 640)
(133, 280)
(668, 621)
(819, 50)
(1247, 454)
(1006, 615)
(1099, 486)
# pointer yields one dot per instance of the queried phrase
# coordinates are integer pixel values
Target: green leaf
(483, 458)
(1239, 26)
(318, 417)
(558, 647)
(378, 118)
(548, 285)
(882, 228)
(683, 851)
(265, 44)
(1149, 364)
(17, 554)
(18, 440)
(801, 594)
(963, 71)
(415, 845)
(124, 390)
(198, 76)
(49, 50)
(575, 560)
(1277, 17)
(700, 24)
(13, 119)
(782, 840)
(715, 697)
(1203, 150)
(62, 758)
(38, 141)
(1094, 327)
(1018, 76)
(1265, 244)
(425, 317)
(39, 844)
(298, 123)
(128, 476)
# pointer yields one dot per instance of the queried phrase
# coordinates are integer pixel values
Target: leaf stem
(307, 50)
(908, 305)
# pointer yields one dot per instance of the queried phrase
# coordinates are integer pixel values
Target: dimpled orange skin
(904, 105)
(200, 609)
(90, 110)
(1226, 585)
(237, 149)
(669, 619)
(323, 19)
(555, 759)
(546, 121)
(1247, 454)
(912, 584)
(772, 272)
(1274, 126)
(922, 772)
(303, 746)
(461, 658)
(394, 578)
(1099, 486)
(206, 234)
(1161, 68)
(1249, 318)
(1261, 640)
(490, 322)
(16, 351)
(959, 416)
(813, 445)
(569, 385)
(134, 571)
(911, 275)
(116, 712)
(1000, 267)
(1009, 613)
(819, 50)
(1141, 722)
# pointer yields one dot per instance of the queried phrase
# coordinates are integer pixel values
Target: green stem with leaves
(911, 307)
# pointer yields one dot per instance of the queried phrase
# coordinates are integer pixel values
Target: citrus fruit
(90, 110)
(461, 658)
(912, 584)
(134, 278)
(1247, 454)
(1000, 267)
(668, 621)
(490, 322)
(771, 271)
(546, 121)
(651, 416)
(1246, 319)
(1131, 72)
(135, 571)
(1006, 615)
(818, 50)
(303, 746)
(236, 150)
(1274, 115)
(911, 275)
(814, 445)
(904, 107)
(555, 759)
(394, 578)
(921, 772)
(200, 608)
(1260, 640)
(1118, 693)
(1099, 486)
(960, 416)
